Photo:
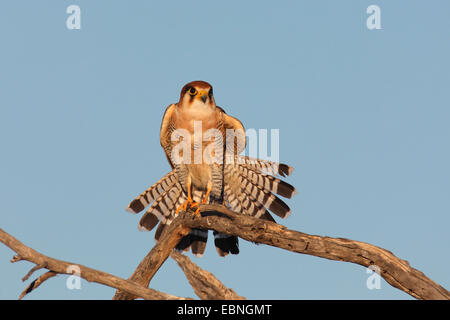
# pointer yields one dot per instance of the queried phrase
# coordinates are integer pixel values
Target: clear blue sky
(363, 117)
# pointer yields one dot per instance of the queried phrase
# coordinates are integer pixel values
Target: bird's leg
(208, 191)
(185, 204)
(193, 205)
(204, 200)
(189, 202)
(197, 212)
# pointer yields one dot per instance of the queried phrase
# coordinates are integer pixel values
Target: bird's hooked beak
(203, 95)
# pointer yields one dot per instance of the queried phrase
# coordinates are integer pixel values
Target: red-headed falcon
(209, 171)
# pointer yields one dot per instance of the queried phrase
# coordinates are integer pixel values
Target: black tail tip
(284, 170)
(135, 206)
(226, 244)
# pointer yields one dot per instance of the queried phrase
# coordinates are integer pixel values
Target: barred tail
(249, 187)
(225, 244)
(252, 197)
(152, 193)
(265, 166)
(196, 240)
(162, 209)
(267, 182)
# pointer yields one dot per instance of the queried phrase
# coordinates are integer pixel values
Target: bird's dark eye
(192, 91)
(210, 93)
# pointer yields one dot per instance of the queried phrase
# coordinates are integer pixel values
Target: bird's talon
(194, 204)
(184, 205)
(189, 203)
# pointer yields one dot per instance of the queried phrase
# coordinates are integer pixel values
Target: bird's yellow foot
(182, 207)
(205, 199)
(188, 203)
(197, 212)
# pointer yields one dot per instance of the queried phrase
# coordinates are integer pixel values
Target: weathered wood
(156, 257)
(395, 271)
(36, 283)
(206, 286)
(61, 267)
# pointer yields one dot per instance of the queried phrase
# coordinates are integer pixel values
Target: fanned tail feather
(167, 222)
(247, 204)
(265, 166)
(266, 198)
(152, 193)
(267, 182)
(195, 240)
(236, 197)
(162, 209)
(226, 244)
(249, 188)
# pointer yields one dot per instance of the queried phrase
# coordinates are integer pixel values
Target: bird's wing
(231, 123)
(167, 127)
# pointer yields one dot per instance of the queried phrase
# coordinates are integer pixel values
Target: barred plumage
(245, 190)
(246, 185)
(162, 209)
(245, 203)
(152, 193)
(267, 199)
(264, 166)
(267, 182)
(169, 218)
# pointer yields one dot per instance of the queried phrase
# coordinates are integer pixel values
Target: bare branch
(37, 282)
(58, 266)
(156, 257)
(395, 271)
(16, 258)
(35, 268)
(206, 286)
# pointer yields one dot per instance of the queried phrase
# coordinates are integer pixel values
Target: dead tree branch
(37, 282)
(156, 257)
(206, 286)
(395, 271)
(62, 267)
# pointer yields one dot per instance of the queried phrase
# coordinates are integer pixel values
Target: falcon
(222, 176)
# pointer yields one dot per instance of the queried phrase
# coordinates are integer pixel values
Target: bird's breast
(192, 118)
(200, 175)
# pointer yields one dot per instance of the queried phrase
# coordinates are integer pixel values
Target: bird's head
(197, 94)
